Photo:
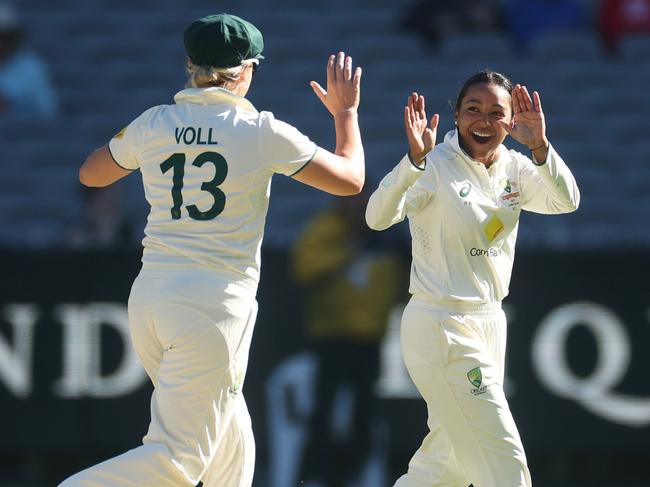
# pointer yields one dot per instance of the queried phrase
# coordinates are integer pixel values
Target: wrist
(543, 145)
(345, 113)
(418, 161)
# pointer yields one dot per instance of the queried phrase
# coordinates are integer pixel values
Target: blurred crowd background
(332, 405)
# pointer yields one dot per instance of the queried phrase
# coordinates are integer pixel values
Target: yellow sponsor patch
(493, 227)
(120, 134)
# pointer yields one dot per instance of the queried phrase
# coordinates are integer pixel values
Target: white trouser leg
(440, 349)
(434, 463)
(234, 462)
(194, 343)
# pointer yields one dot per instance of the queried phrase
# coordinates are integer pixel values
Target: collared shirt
(206, 164)
(463, 217)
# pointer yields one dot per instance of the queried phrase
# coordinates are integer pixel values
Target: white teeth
(481, 134)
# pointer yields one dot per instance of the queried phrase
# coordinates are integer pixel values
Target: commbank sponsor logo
(491, 252)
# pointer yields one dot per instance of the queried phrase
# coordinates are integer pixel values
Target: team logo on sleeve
(120, 134)
(464, 191)
(510, 194)
(475, 378)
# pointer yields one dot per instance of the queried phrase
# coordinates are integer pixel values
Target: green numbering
(177, 163)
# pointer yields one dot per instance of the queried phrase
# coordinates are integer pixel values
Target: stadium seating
(111, 60)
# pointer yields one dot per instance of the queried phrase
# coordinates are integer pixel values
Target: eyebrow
(473, 100)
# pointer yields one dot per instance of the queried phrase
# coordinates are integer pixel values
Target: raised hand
(343, 88)
(421, 137)
(528, 126)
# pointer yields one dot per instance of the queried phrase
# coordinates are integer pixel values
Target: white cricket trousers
(192, 331)
(455, 355)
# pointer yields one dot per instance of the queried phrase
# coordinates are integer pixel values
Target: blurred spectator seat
(478, 48)
(566, 47)
(635, 49)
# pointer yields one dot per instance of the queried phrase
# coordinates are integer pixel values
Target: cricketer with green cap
(222, 41)
(206, 163)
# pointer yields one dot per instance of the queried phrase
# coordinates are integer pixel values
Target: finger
(340, 62)
(527, 100)
(421, 107)
(330, 70)
(347, 69)
(357, 77)
(318, 90)
(407, 118)
(507, 127)
(434, 122)
(516, 99)
(412, 116)
(537, 102)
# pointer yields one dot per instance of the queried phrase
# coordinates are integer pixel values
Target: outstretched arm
(549, 187)
(342, 172)
(100, 169)
(388, 204)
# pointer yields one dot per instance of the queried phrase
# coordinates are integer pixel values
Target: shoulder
(441, 158)
(268, 120)
(277, 129)
(519, 160)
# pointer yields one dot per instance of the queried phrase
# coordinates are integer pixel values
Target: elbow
(84, 176)
(356, 186)
(87, 178)
(373, 222)
(574, 203)
(352, 186)
(376, 225)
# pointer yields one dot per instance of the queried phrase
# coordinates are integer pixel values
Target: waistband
(458, 306)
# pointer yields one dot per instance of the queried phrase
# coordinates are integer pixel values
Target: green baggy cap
(222, 41)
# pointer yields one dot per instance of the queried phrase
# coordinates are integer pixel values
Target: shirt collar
(213, 96)
(451, 138)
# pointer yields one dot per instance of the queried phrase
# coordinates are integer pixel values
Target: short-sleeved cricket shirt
(206, 164)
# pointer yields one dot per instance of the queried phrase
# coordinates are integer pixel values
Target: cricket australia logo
(475, 378)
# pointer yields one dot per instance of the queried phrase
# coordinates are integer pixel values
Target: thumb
(434, 122)
(318, 90)
(508, 128)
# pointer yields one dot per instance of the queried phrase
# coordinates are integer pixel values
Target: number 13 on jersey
(176, 162)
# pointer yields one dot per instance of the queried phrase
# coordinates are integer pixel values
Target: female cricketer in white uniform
(206, 164)
(463, 199)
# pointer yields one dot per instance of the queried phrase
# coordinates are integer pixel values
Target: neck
(487, 160)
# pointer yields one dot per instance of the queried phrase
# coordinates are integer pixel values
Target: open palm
(528, 126)
(420, 134)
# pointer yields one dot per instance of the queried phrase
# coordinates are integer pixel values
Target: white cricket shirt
(463, 217)
(206, 164)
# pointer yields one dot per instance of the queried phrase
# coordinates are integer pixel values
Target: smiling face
(480, 110)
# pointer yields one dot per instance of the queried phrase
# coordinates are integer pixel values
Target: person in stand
(206, 164)
(463, 199)
(26, 91)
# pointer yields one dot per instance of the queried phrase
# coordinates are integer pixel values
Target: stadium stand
(113, 59)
